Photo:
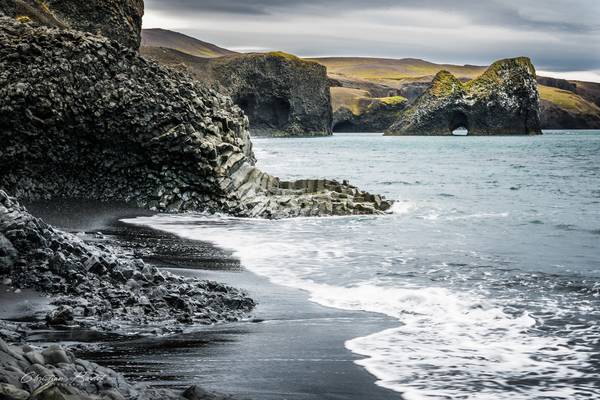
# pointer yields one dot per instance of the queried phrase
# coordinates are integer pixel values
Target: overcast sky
(561, 36)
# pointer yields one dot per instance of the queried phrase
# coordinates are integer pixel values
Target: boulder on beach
(87, 280)
(281, 94)
(52, 373)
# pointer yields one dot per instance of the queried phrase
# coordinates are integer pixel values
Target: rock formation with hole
(374, 115)
(503, 101)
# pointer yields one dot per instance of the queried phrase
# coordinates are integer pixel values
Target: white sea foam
(448, 345)
(402, 207)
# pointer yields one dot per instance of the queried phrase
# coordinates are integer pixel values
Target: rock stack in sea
(503, 101)
(119, 20)
(82, 116)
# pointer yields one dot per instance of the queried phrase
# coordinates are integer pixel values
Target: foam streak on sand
(449, 345)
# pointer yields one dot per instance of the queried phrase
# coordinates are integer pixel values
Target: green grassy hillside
(181, 42)
(366, 79)
(393, 72)
(567, 100)
(580, 103)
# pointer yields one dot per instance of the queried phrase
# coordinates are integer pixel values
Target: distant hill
(393, 72)
(358, 80)
(565, 104)
(182, 43)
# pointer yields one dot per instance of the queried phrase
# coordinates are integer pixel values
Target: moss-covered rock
(502, 101)
(281, 94)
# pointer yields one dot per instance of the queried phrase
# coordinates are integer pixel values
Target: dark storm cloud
(559, 35)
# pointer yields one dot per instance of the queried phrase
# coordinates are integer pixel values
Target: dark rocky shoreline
(94, 286)
(83, 115)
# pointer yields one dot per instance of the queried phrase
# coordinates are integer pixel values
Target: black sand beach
(290, 349)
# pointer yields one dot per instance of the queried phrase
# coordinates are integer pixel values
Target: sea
(489, 261)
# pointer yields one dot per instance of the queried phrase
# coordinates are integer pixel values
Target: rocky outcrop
(556, 83)
(375, 115)
(89, 281)
(503, 101)
(119, 20)
(84, 117)
(553, 116)
(281, 94)
(54, 373)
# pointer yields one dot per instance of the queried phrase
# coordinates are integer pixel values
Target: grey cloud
(559, 35)
(496, 12)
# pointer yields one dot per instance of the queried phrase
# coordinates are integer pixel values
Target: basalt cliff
(281, 94)
(502, 101)
(119, 20)
(83, 116)
(354, 110)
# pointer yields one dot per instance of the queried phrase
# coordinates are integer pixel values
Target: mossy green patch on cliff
(289, 57)
(445, 84)
(498, 72)
(393, 100)
(567, 100)
(508, 87)
(23, 19)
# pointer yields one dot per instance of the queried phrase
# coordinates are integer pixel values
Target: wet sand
(290, 349)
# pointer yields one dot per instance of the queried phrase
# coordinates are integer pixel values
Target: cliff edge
(82, 116)
(281, 94)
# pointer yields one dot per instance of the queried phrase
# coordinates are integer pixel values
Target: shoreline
(226, 356)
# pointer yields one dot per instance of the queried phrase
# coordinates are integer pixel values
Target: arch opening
(344, 127)
(247, 103)
(265, 112)
(459, 124)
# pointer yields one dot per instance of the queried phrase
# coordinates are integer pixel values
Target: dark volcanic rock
(119, 20)
(376, 116)
(553, 116)
(62, 315)
(84, 117)
(503, 101)
(281, 94)
(30, 372)
(95, 282)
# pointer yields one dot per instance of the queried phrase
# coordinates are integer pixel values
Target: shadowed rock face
(503, 101)
(281, 94)
(84, 117)
(555, 117)
(376, 116)
(119, 20)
